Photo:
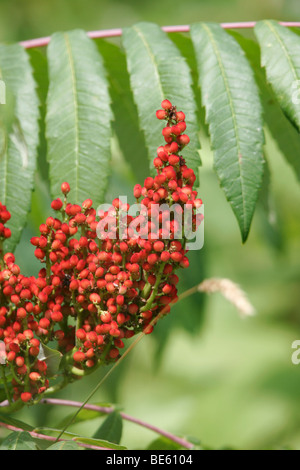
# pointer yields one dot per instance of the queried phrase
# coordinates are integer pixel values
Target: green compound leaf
(15, 422)
(234, 116)
(19, 137)
(158, 71)
(112, 428)
(19, 441)
(78, 126)
(280, 55)
(52, 357)
(125, 121)
(284, 133)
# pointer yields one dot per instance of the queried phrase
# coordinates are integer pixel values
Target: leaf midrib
(283, 47)
(152, 57)
(6, 161)
(231, 104)
(76, 113)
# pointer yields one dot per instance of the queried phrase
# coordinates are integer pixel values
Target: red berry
(152, 259)
(149, 183)
(95, 298)
(34, 376)
(87, 204)
(180, 116)
(165, 256)
(137, 192)
(183, 139)
(159, 246)
(26, 397)
(65, 188)
(40, 254)
(57, 204)
(158, 163)
(79, 356)
(57, 317)
(166, 104)
(174, 160)
(11, 356)
(161, 114)
(114, 353)
(20, 361)
(34, 351)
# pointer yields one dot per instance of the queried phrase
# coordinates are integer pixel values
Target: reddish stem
(111, 33)
(108, 410)
(36, 435)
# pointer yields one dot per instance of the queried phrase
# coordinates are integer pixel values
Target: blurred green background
(206, 372)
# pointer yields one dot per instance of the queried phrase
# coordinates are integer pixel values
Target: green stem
(15, 376)
(7, 391)
(1, 254)
(48, 266)
(80, 317)
(28, 365)
(78, 372)
(155, 289)
(57, 387)
(15, 406)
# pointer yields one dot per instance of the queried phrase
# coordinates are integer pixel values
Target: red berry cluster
(97, 289)
(4, 231)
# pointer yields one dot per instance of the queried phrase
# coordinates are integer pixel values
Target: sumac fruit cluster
(95, 291)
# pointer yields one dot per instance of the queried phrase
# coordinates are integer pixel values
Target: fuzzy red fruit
(57, 204)
(133, 309)
(21, 313)
(149, 183)
(40, 254)
(183, 139)
(166, 104)
(34, 376)
(114, 353)
(7, 232)
(152, 259)
(166, 132)
(57, 317)
(158, 163)
(11, 356)
(180, 116)
(105, 317)
(79, 356)
(137, 192)
(26, 397)
(20, 361)
(165, 256)
(95, 298)
(65, 188)
(22, 370)
(159, 246)
(148, 330)
(34, 351)
(177, 257)
(81, 334)
(161, 114)
(174, 160)
(87, 204)
(44, 323)
(28, 334)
